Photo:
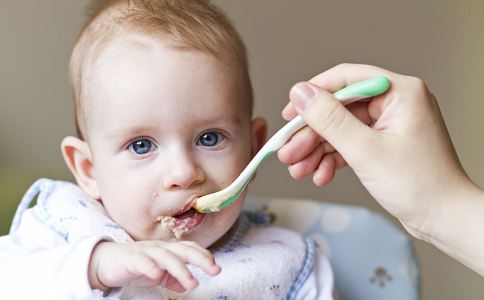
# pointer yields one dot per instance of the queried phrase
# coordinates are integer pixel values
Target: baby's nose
(182, 172)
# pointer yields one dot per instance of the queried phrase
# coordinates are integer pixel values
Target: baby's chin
(151, 235)
(207, 236)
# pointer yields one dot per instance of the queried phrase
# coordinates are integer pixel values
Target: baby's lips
(189, 205)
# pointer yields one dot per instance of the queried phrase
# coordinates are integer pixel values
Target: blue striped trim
(42, 187)
(43, 211)
(258, 218)
(306, 269)
(234, 241)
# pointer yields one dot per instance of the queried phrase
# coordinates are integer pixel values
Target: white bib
(258, 261)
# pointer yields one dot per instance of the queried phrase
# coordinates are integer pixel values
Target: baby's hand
(148, 264)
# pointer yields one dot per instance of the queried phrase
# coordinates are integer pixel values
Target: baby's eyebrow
(219, 120)
(132, 130)
(121, 132)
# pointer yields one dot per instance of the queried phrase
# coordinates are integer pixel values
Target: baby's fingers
(145, 271)
(196, 255)
(174, 265)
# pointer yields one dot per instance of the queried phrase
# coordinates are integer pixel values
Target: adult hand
(398, 146)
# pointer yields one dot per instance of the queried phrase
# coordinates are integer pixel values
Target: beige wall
(440, 41)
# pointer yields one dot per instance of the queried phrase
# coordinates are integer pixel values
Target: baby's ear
(78, 158)
(258, 134)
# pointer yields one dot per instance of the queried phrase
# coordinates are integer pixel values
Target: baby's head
(164, 114)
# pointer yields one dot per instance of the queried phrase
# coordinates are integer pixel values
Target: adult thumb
(329, 118)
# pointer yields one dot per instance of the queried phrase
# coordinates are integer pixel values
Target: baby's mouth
(190, 218)
(184, 221)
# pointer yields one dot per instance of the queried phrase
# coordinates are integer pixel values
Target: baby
(164, 115)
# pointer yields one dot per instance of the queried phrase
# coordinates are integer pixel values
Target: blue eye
(210, 139)
(142, 146)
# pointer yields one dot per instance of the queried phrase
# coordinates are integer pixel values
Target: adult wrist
(437, 217)
(458, 227)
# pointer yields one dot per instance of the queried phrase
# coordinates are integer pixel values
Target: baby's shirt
(258, 261)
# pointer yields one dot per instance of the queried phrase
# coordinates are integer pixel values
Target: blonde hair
(188, 24)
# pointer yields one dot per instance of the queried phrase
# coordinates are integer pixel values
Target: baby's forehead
(132, 49)
(117, 49)
(127, 68)
(130, 59)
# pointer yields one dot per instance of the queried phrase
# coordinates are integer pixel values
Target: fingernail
(301, 93)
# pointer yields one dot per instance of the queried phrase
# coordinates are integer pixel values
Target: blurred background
(440, 41)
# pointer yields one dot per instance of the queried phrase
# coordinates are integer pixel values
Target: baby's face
(166, 126)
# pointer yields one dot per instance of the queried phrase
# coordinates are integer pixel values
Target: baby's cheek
(222, 173)
(230, 175)
(128, 205)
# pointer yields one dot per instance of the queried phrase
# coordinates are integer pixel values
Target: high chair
(372, 259)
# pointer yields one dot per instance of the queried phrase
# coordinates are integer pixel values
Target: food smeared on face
(179, 225)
